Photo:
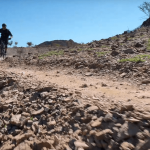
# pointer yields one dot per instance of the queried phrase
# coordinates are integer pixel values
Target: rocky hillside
(58, 43)
(125, 56)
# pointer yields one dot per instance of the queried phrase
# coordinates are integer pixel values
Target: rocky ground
(94, 96)
(124, 56)
(39, 115)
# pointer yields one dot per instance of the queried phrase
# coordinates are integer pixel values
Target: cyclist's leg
(6, 42)
(0, 48)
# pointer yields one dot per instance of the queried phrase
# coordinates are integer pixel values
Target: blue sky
(80, 20)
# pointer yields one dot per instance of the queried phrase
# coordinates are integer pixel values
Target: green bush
(130, 38)
(80, 49)
(148, 45)
(99, 54)
(138, 58)
(135, 59)
(58, 45)
(144, 56)
(104, 46)
(51, 53)
(114, 38)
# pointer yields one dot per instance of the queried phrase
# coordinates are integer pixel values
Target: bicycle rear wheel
(4, 55)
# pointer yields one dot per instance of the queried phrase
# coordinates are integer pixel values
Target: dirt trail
(91, 86)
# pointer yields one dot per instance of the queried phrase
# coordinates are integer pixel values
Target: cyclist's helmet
(3, 25)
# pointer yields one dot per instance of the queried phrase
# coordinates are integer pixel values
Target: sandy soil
(90, 87)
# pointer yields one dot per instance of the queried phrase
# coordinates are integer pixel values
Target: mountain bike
(2, 49)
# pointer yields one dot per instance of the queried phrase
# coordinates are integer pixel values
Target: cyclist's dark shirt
(5, 34)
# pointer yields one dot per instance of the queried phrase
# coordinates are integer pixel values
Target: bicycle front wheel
(3, 51)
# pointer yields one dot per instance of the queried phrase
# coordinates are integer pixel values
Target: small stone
(88, 74)
(96, 123)
(38, 112)
(15, 120)
(80, 144)
(51, 123)
(123, 75)
(145, 82)
(25, 114)
(103, 84)
(140, 135)
(84, 86)
(43, 94)
(30, 122)
(92, 108)
(127, 107)
(108, 117)
(127, 146)
(100, 134)
(132, 120)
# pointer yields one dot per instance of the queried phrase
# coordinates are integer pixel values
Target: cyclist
(5, 33)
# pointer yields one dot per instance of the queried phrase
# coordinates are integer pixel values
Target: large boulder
(127, 130)
(138, 44)
(128, 51)
(23, 146)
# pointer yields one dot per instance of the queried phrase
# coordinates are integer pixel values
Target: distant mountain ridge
(59, 43)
